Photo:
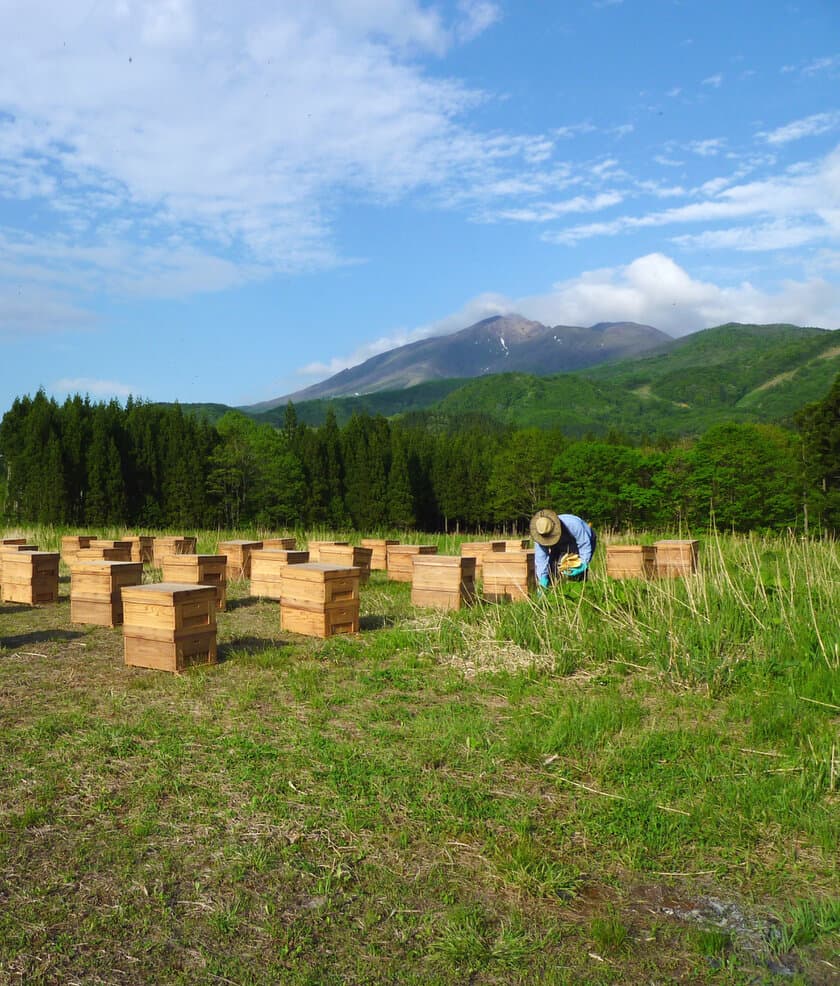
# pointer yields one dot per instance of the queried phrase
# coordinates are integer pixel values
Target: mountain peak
(498, 344)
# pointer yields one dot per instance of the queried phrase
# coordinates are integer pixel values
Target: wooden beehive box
(95, 590)
(675, 559)
(238, 554)
(479, 550)
(443, 581)
(18, 545)
(508, 575)
(400, 557)
(349, 556)
(320, 600)
(630, 561)
(379, 552)
(11, 541)
(172, 544)
(169, 626)
(142, 547)
(280, 544)
(198, 570)
(102, 550)
(30, 577)
(71, 544)
(267, 568)
(517, 544)
(314, 548)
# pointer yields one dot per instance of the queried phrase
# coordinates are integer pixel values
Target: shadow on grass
(242, 602)
(8, 609)
(248, 645)
(376, 622)
(38, 637)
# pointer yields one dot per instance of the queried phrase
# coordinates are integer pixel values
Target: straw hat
(546, 527)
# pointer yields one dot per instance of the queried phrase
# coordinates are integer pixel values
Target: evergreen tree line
(153, 466)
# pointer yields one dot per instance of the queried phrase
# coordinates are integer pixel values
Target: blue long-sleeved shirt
(577, 536)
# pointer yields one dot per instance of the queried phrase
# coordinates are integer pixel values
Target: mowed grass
(617, 782)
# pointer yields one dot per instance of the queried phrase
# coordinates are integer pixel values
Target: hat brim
(553, 536)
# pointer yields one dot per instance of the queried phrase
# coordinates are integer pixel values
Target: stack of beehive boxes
(508, 575)
(169, 626)
(319, 600)
(100, 549)
(172, 544)
(72, 544)
(675, 559)
(480, 550)
(280, 544)
(379, 552)
(349, 556)
(142, 547)
(443, 581)
(630, 561)
(238, 553)
(400, 558)
(198, 570)
(14, 544)
(95, 590)
(267, 567)
(29, 577)
(314, 548)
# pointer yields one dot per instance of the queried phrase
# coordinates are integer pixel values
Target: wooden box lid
(315, 571)
(168, 593)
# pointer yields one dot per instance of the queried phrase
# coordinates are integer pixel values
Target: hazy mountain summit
(500, 344)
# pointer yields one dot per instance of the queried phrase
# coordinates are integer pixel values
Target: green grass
(616, 782)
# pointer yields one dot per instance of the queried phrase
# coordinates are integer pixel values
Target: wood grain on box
(267, 568)
(350, 556)
(379, 552)
(199, 570)
(238, 553)
(29, 577)
(630, 561)
(443, 581)
(169, 626)
(508, 575)
(96, 590)
(400, 557)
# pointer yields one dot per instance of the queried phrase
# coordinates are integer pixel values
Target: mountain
(733, 372)
(501, 344)
(742, 373)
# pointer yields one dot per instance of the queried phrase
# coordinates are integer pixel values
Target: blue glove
(576, 572)
(544, 582)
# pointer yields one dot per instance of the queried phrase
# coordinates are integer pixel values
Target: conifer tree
(400, 500)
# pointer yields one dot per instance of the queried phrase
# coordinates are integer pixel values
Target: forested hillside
(145, 465)
(746, 373)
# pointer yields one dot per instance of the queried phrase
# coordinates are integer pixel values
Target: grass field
(618, 782)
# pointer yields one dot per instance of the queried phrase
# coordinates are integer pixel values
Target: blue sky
(207, 201)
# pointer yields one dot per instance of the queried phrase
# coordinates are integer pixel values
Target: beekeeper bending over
(563, 545)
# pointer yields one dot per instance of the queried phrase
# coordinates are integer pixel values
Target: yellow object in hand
(568, 562)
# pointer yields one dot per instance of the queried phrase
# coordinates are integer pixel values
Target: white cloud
(237, 128)
(715, 81)
(655, 290)
(805, 196)
(809, 126)
(707, 148)
(96, 388)
(781, 235)
(819, 65)
(476, 17)
(546, 211)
